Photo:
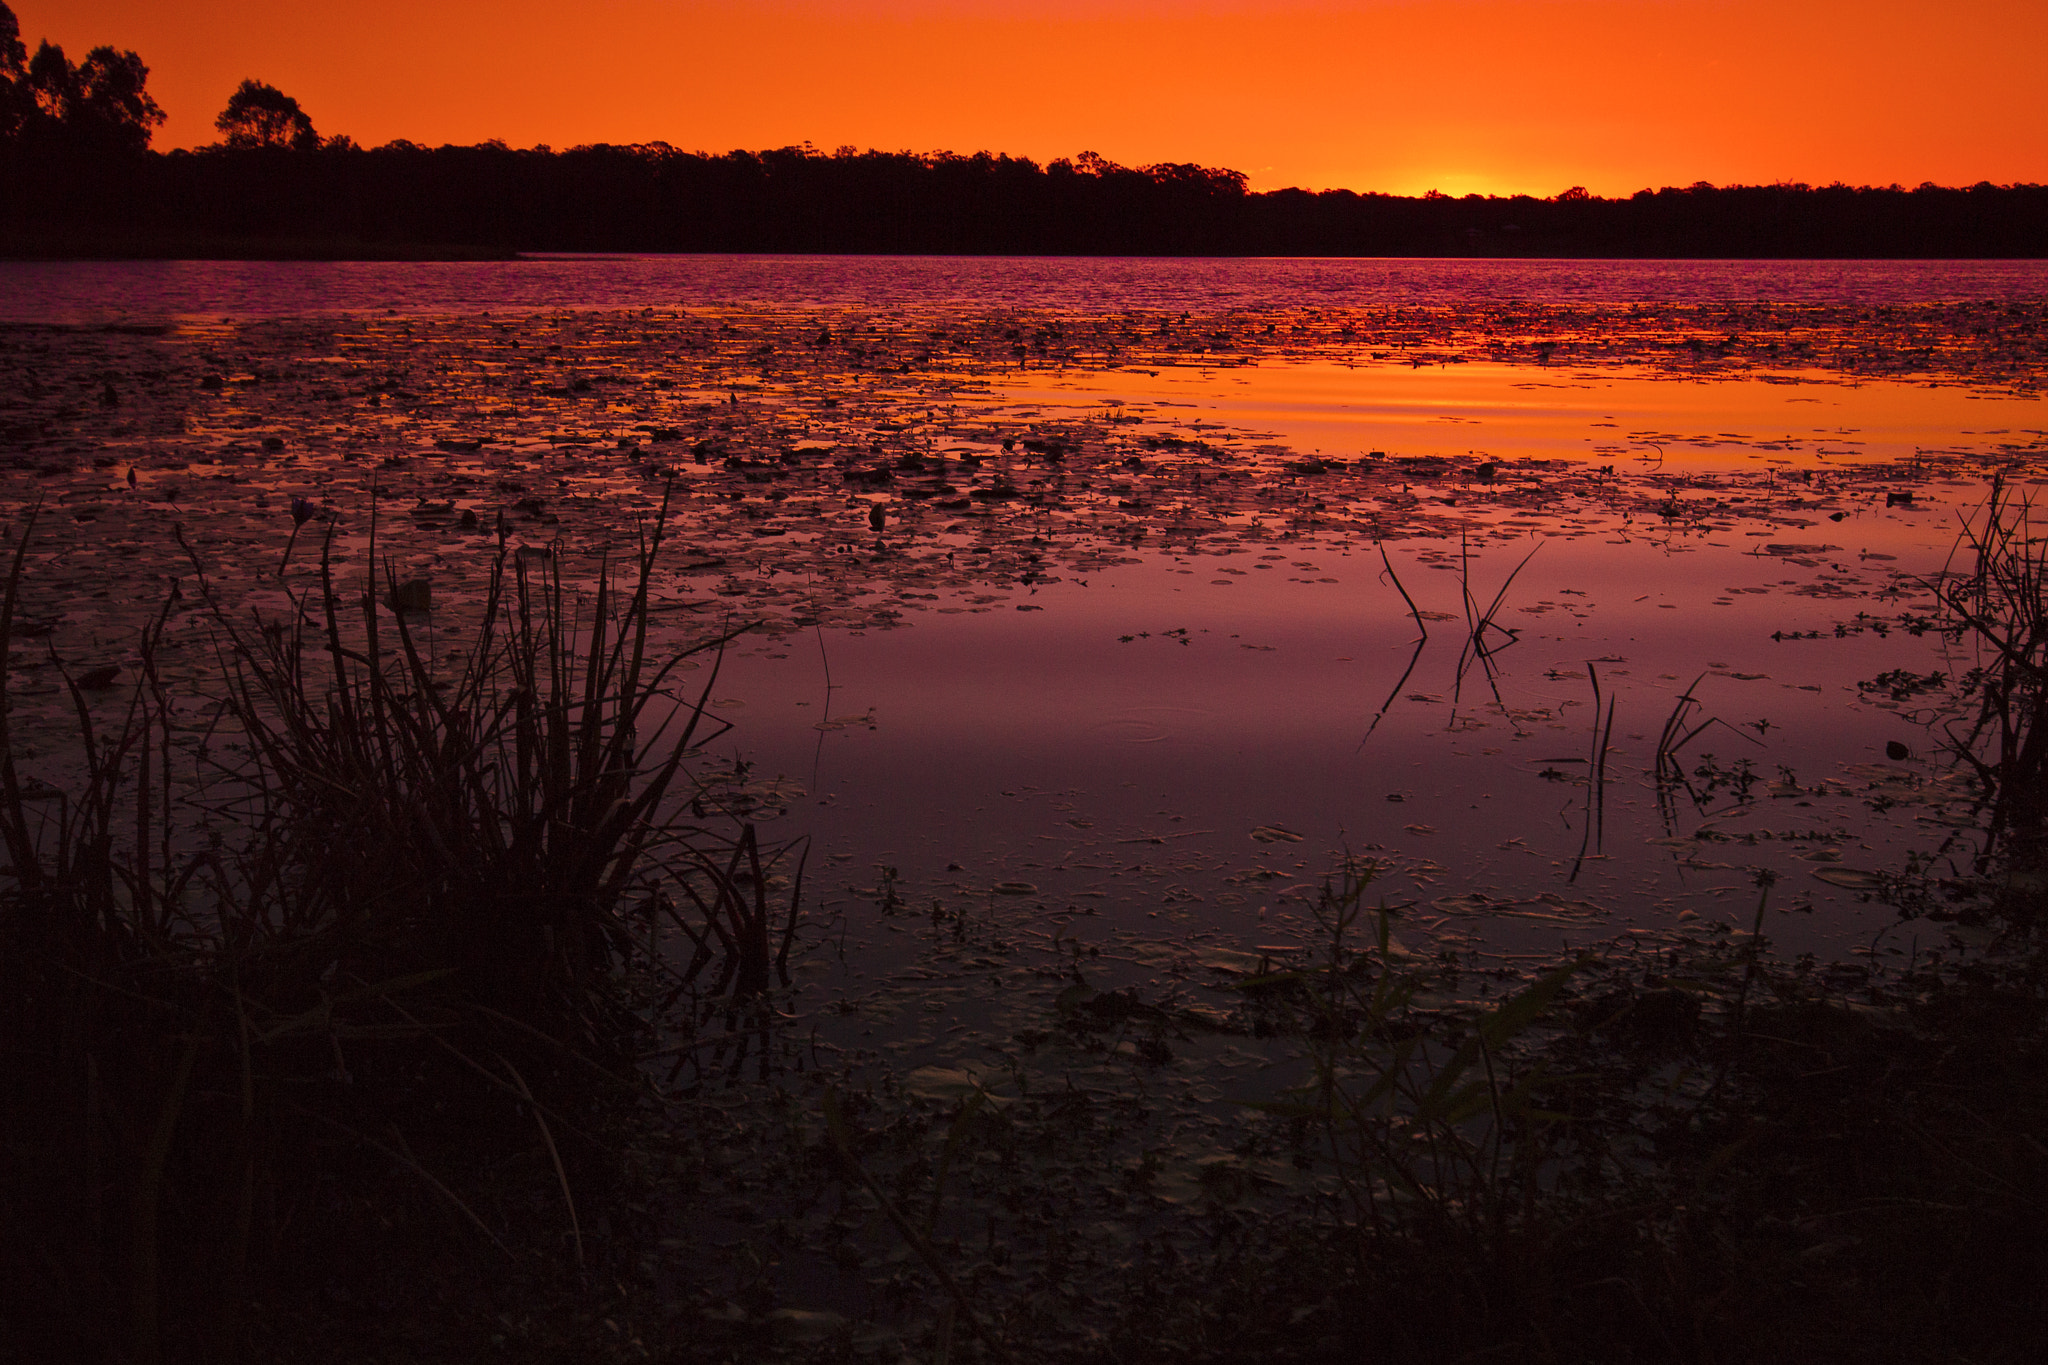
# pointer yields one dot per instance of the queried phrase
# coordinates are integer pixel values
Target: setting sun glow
(1405, 96)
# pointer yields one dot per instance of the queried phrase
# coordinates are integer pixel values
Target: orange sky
(1494, 96)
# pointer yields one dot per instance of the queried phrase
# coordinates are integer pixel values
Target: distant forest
(401, 199)
(77, 178)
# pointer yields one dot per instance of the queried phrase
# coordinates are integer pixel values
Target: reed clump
(359, 984)
(1996, 603)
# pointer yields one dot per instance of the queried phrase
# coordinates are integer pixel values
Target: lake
(1089, 618)
(1096, 591)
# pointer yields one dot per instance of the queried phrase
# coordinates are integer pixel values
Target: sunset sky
(1493, 96)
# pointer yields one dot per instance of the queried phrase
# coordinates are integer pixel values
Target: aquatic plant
(1478, 643)
(488, 823)
(389, 946)
(1669, 772)
(1997, 603)
(1595, 819)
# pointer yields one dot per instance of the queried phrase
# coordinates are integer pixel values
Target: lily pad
(944, 1084)
(1852, 878)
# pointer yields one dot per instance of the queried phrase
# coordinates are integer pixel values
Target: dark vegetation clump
(95, 111)
(1809, 1173)
(324, 1052)
(1723, 1159)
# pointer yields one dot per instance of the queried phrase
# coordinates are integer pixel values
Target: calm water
(152, 291)
(1111, 736)
(1115, 749)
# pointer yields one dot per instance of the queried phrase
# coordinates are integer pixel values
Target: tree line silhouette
(80, 180)
(92, 109)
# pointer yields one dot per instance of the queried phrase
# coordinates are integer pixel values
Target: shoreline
(205, 248)
(326, 249)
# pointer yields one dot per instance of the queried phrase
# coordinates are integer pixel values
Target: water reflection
(1119, 749)
(1805, 420)
(1103, 597)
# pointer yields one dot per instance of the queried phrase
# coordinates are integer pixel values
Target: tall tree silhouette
(260, 115)
(101, 105)
(52, 84)
(15, 100)
(112, 104)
